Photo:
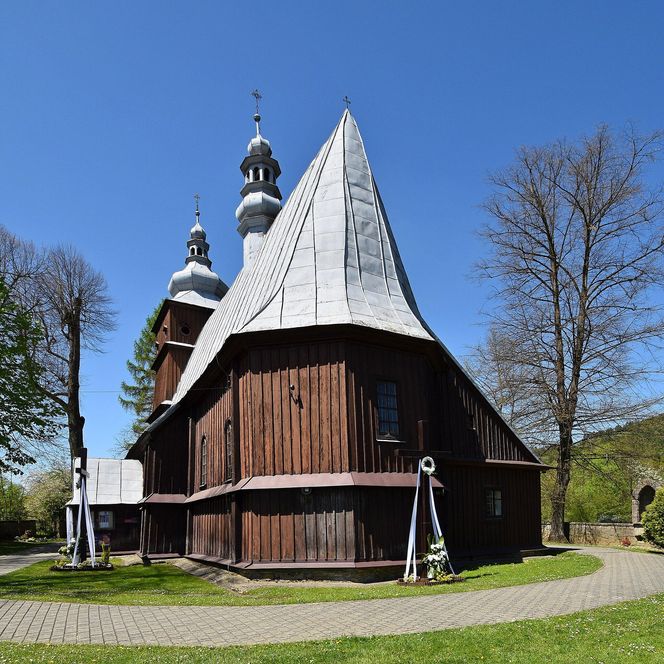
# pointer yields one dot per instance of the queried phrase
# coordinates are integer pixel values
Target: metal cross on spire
(197, 198)
(257, 96)
(346, 101)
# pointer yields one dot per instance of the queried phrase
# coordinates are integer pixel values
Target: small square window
(388, 410)
(105, 520)
(494, 503)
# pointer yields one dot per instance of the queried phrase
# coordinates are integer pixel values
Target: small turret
(195, 292)
(196, 283)
(260, 194)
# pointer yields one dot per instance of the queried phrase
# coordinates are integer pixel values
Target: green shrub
(653, 519)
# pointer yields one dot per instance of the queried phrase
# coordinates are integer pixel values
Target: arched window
(257, 175)
(199, 251)
(228, 451)
(192, 251)
(267, 175)
(203, 453)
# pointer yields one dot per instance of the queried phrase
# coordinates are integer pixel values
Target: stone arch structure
(642, 495)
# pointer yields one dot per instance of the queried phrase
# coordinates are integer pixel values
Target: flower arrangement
(67, 550)
(437, 560)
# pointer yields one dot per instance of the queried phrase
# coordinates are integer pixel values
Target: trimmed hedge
(653, 519)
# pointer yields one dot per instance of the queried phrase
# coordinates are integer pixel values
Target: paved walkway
(13, 561)
(624, 576)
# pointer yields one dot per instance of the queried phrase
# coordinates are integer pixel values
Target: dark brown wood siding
(290, 526)
(180, 323)
(163, 529)
(468, 426)
(210, 417)
(165, 464)
(169, 373)
(303, 430)
(327, 423)
(466, 525)
(416, 396)
(212, 528)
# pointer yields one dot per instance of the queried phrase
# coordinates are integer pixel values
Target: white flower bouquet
(437, 560)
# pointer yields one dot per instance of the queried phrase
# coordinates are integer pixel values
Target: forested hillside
(605, 467)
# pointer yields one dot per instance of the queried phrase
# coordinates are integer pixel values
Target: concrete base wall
(596, 533)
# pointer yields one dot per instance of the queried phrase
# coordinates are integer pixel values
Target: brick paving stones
(624, 576)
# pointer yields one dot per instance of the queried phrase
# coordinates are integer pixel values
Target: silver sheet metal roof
(329, 258)
(111, 482)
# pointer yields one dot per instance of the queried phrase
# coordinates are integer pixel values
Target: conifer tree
(136, 395)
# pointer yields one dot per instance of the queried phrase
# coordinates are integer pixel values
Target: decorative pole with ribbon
(428, 467)
(84, 513)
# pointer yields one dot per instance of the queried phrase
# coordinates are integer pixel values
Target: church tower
(260, 194)
(195, 292)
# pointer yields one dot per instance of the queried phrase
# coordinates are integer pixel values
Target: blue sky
(114, 114)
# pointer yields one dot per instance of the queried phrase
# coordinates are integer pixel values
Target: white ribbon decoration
(438, 533)
(74, 558)
(428, 466)
(412, 555)
(84, 506)
(70, 524)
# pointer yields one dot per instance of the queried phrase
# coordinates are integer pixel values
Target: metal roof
(329, 258)
(111, 482)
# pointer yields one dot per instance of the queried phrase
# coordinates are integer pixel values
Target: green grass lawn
(168, 585)
(628, 632)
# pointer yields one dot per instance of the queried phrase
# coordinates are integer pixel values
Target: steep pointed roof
(329, 258)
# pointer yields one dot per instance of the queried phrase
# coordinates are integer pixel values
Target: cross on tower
(197, 198)
(257, 96)
(346, 101)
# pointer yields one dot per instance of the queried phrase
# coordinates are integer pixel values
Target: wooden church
(291, 409)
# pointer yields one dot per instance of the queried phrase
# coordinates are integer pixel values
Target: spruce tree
(136, 395)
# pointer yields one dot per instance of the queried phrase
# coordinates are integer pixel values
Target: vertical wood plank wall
(304, 430)
(327, 424)
(469, 529)
(210, 417)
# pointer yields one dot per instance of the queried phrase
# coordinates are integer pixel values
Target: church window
(256, 174)
(105, 520)
(192, 251)
(266, 173)
(494, 503)
(199, 251)
(204, 461)
(388, 410)
(228, 451)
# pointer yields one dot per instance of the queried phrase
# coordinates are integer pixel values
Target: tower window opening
(193, 251)
(256, 174)
(199, 251)
(267, 175)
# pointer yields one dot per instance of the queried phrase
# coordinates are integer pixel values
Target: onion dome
(196, 283)
(260, 195)
(259, 145)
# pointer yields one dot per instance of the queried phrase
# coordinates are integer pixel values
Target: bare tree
(75, 313)
(507, 383)
(577, 251)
